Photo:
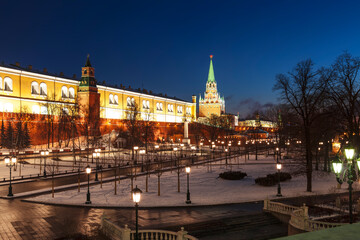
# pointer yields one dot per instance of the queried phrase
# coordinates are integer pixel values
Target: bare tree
(304, 89)
(147, 127)
(344, 92)
(132, 123)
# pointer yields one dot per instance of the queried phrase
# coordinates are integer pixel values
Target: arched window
(1, 85)
(71, 93)
(64, 92)
(111, 99)
(43, 89)
(157, 106)
(144, 104)
(44, 110)
(35, 109)
(8, 84)
(8, 107)
(148, 104)
(116, 99)
(161, 106)
(34, 88)
(128, 102)
(132, 102)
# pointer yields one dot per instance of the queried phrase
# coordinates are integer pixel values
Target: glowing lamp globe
(7, 160)
(349, 153)
(337, 166)
(136, 192)
(88, 169)
(13, 160)
(278, 166)
(187, 169)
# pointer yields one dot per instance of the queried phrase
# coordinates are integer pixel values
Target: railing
(161, 235)
(113, 231)
(299, 216)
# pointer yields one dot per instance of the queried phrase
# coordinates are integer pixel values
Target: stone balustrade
(114, 232)
(299, 216)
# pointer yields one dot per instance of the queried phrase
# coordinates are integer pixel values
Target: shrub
(272, 179)
(232, 175)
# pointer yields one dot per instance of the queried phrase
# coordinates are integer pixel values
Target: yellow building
(23, 89)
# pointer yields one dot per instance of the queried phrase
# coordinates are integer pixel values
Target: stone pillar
(181, 234)
(186, 139)
(126, 233)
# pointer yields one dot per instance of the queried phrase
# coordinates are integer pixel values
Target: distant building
(212, 103)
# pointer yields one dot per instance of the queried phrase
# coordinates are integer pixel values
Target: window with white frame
(35, 88)
(64, 92)
(146, 104)
(1, 86)
(8, 84)
(43, 89)
(8, 107)
(116, 99)
(132, 102)
(111, 99)
(188, 110)
(161, 106)
(170, 108)
(128, 102)
(35, 109)
(71, 93)
(179, 109)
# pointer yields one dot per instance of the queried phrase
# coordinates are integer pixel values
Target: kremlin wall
(38, 97)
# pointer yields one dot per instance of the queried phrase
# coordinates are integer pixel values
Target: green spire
(88, 64)
(211, 76)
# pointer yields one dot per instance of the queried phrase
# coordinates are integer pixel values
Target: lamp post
(96, 155)
(187, 169)
(136, 192)
(10, 162)
(348, 174)
(226, 160)
(278, 167)
(136, 148)
(44, 154)
(201, 144)
(88, 171)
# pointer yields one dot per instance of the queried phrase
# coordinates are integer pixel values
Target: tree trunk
(308, 159)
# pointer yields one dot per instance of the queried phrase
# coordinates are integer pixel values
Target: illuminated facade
(212, 103)
(29, 91)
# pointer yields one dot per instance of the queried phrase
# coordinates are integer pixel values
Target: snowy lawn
(205, 188)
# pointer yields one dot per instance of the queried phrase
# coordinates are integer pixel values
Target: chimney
(61, 74)
(17, 64)
(45, 70)
(30, 67)
(74, 76)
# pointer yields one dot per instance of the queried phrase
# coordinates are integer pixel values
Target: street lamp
(226, 158)
(10, 162)
(187, 169)
(44, 154)
(278, 167)
(88, 171)
(201, 144)
(136, 149)
(136, 192)
(348, 174)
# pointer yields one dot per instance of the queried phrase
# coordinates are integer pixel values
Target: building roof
(88, 64)
(74, 77)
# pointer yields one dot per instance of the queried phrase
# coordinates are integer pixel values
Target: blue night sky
(164, 46)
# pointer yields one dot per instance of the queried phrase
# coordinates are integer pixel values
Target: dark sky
(164, 46)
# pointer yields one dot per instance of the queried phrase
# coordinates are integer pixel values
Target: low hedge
(232, 175)
(272, 179)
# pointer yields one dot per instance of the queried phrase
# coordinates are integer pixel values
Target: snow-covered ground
(205, 188)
